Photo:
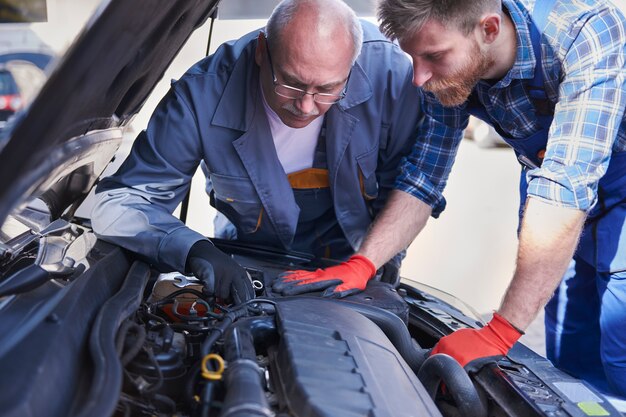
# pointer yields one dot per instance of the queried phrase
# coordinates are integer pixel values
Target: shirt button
(541, 154)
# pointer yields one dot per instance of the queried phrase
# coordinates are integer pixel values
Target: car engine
(90, 330)
(294, 356)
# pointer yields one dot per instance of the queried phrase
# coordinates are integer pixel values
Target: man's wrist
(498, 318)
(368, 266)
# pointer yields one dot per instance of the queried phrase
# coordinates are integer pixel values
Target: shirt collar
(524, 65)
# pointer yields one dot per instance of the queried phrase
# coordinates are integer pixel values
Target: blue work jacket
(214, 115)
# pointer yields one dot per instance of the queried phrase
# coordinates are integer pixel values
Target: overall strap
(539, 19)
(319, 158)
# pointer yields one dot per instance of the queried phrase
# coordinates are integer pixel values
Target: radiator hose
(431, 370)
(441, 368)
(397, 332)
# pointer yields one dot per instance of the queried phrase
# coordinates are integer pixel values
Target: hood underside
(100, 83)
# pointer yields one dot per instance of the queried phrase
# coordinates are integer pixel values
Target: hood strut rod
(184, 208)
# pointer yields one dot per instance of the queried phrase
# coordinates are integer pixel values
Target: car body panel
(110, 70)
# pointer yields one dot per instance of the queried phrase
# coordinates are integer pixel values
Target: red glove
(338, 281)
(493, 340)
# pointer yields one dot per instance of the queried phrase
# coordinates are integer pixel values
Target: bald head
(319, 24)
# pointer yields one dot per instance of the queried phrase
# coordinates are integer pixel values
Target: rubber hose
(244, 390)
(443, 368)
(395, 330)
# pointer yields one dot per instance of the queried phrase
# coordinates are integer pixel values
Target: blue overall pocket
(367, 174)
(237, 199)
(603, 243)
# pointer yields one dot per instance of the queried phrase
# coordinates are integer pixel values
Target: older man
(550, 77)
(299, 129)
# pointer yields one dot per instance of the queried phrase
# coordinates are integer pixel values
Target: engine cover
(332, 361)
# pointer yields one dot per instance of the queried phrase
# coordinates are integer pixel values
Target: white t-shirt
(295, 147)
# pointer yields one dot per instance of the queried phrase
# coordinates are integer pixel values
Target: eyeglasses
(294, 93)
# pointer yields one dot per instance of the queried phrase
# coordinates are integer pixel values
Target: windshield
(7, 84)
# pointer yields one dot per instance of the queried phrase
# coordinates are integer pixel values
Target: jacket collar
(236, 98)
(255, 148)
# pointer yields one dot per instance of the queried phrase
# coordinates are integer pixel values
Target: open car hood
(71, 130)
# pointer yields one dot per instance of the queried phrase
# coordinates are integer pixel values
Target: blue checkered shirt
(583, 59)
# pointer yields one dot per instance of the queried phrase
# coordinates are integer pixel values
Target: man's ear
(259, 52)
(490, 26)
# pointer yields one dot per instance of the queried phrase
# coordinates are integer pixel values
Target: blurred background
(468, 252)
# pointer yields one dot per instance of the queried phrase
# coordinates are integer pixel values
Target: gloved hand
(391, 274)
(219, 273)
(338, 281)
(492, 341)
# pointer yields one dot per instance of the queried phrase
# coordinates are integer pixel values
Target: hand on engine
(490, 342)
(338, 281)
(220, 274)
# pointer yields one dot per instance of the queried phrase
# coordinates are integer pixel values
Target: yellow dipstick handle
(212, 375)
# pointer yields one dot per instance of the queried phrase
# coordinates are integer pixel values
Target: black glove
(390, 274)
(219, 273)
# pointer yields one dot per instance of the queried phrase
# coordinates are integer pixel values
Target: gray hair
(328, 12)
(402, 18)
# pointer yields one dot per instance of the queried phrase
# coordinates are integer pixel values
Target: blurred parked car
(20, 81)
(18, 41)
(10, 97)
(24, 58)
(88, 329)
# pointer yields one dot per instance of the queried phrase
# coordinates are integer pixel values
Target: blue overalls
(586, 318)
(317, 233)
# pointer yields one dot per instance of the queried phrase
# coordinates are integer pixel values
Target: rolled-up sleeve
(588, 115)
(424, 173)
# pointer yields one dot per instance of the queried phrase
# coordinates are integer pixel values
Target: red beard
(455, 89)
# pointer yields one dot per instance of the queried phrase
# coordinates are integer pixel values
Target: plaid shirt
(583, 59)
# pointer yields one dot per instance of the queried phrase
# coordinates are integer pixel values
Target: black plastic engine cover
(382, 295)
(332, 361)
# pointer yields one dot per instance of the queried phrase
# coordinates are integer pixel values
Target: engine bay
(364, 355)
(289, 356)
(119, 338)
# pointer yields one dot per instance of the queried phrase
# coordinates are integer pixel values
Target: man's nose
(421, 74)
(305, 104)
